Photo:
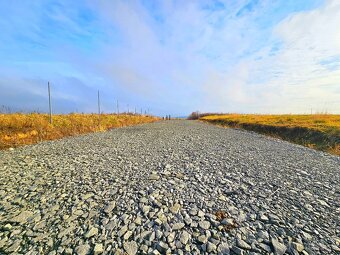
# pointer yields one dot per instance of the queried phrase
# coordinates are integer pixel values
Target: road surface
(179, 187)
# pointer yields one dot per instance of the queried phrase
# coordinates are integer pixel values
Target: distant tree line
(196, 115)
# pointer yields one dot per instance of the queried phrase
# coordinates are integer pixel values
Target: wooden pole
(98, 108)
(49, 101)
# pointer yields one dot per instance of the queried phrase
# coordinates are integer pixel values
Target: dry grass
(315, 131)
(20, 129)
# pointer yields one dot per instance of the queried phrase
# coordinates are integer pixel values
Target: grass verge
(320, 132)
(20, 129)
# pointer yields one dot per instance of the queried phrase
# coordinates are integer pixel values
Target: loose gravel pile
(172, 187)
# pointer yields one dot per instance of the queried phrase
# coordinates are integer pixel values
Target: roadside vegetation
(19, 129)
(318, 131)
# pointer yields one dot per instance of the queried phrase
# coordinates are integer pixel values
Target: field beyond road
(20, 129)
(319, 131)
(169, 187)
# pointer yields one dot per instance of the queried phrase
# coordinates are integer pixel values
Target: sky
(171, 56)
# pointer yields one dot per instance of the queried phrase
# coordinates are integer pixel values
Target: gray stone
(223, 248)
(238, 250)
(263, 234)
(204, 224)
(130, 247)
(211, 247)
(279, 248)
(265, 247)
(202, 239)
(162, 247)
(175, 208)
(178, 226)
(154, 177)
(184, 237)
(109, 207)
(242, 244)
(92, 232)
(298, 246)
(122, 231)
(22, 217)
(127, 235)
(83, 249)
(98, 249)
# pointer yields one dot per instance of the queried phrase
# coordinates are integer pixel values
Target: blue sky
(173, 57)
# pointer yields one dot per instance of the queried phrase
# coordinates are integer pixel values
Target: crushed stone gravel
(171, 187)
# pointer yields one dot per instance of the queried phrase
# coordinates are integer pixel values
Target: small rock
(306, 236)
(98, 249)
(211, 247)
(171, 237)
(127, 235)
(279, 248)
(204, 224)
(130, 247)
(184, 238)
(68, 251)
(178, 226)
(242, 244)
(122, 231)
(265, 247)
(202, 239)
(162, 247)
(154, 177)
(237, 250)
(226, 221)
(22, 217)
(263, 235)
(110, 206)
(223, 248)
(87, 196)
(92, 232)
(83, 249)
(298, 246)
(175, 208)
(7, 227)
(264, 218)
(138, 220)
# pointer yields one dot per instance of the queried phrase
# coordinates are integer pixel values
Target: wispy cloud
(173, 56)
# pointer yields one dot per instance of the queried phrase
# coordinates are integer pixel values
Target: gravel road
(179, 187)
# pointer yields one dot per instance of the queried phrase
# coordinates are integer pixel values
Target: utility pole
(128, 108)
(49, 101)
(117, 107)
(135, 110)
(98, 108)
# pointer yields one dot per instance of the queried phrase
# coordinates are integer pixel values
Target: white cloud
(301, 81)
(295, 77)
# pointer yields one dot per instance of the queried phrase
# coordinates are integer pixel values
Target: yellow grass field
(319, 131)
(20, 129)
